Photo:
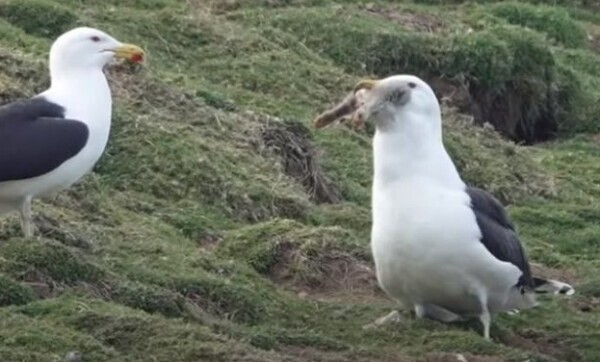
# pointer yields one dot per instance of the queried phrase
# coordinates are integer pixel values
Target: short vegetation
(219, 226)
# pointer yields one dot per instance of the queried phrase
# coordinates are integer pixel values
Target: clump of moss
(13, 293)
(553, 21)
(38, 17)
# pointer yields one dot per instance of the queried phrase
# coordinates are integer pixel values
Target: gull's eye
(412, 84)
(95, 38)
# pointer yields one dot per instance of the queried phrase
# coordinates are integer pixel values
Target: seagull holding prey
(52, 140)
(441, 248)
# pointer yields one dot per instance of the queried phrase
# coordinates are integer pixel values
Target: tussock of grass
(555, 22)
(39, 17)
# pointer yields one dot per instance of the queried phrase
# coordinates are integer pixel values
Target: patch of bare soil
(420, 22)
(332, 275)
(209, 240)
(536, 341)
(588, 304)
(563, 275)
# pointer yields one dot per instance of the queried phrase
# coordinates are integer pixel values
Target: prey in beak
(349, 108)
(131, 52)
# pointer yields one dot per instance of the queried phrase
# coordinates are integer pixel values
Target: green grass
(192, 240)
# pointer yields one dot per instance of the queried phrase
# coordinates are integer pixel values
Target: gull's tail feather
(552, 286)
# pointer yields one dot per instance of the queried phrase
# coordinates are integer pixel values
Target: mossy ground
(191, 241)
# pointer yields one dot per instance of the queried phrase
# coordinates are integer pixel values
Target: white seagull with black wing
(443, 249)
(52, 140)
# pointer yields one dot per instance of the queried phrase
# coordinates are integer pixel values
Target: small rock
(73, 356)
(461, 358)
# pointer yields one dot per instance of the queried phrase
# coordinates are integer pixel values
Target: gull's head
(391, 103)
(395, 99)
(87, 48)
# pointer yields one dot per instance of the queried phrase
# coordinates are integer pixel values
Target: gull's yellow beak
(130, 52)
(367, 84)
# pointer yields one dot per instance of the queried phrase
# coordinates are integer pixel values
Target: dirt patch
(209, 240)
(291, 141)
(588, 305)
(413, 21)
(460, 357)
(328, 275)
(538, 342)
(312, 354)
(563, 275)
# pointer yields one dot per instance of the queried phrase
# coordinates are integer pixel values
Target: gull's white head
(403, 104)
(88, 49)
(393, 102)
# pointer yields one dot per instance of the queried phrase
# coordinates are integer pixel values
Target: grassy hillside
(219, 226)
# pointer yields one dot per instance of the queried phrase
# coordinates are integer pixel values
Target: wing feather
(498, 233)
(35, 138)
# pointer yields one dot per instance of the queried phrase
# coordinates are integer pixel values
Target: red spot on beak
(137, 58)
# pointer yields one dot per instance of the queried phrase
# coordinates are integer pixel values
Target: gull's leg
(26, 217)
(486, 320)
(420, 311)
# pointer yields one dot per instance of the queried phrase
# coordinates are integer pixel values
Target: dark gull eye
(95, 38)
(412, 84)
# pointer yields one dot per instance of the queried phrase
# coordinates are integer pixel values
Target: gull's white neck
(407, 148)
(85, 95)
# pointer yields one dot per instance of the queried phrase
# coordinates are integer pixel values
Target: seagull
(444, 249)
(50, 141)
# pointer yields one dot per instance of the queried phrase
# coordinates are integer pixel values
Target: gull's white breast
(425, 241)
